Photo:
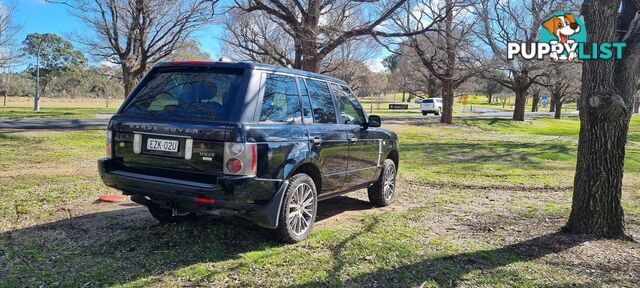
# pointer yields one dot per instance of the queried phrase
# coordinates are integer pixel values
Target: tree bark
(128, 79)
(520, 87)
(447, 102)
(558, 111)
(535, 101)
(636, 106)
(519, 106)
(489, 96)
(552, 106)
(608, 87)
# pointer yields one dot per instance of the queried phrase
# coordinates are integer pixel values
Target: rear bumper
(257, 199)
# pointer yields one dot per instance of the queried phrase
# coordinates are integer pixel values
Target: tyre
(424, 113)
(166, 215)
(383, 191)
(298, 211)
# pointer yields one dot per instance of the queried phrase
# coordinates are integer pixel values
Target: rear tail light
(240, 159)
(204, 200)
(109, 147)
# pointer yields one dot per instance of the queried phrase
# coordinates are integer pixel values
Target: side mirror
(374, 121)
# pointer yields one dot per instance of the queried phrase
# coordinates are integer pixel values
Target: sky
(38, 16)
(42, 17)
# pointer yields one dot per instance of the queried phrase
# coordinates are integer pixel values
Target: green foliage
(53, 54)
(391, 62)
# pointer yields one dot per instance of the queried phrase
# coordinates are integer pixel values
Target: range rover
(262, 142)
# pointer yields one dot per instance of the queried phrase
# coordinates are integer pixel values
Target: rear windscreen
(428, 101)
(176, 93)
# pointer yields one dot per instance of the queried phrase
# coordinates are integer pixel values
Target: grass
(480, 204)
(22, 107)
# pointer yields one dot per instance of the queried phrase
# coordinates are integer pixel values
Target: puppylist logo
(563, 37)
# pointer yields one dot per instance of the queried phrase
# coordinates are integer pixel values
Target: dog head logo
(562, 26)
(563, 30)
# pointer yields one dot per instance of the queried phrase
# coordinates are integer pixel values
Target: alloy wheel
(389, 183)
(301, 205)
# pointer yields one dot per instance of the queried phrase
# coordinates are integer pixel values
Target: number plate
(162, 145)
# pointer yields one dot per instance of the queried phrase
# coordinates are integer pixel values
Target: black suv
(259, 141)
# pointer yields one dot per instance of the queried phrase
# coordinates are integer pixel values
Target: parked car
(258, 141)
(431, 105)
(419, 100)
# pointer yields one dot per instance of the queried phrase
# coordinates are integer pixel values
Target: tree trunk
(403, 97)
(535, 101)
(489, 96)
(636, 106)
(447, 102)
(558, 113)
(608, 87)
(552, 106)
(520, 104)
(128, 80)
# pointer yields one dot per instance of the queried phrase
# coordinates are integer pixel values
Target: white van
(431, 105)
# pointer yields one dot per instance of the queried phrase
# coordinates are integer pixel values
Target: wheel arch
(312, 170)
(393, 155)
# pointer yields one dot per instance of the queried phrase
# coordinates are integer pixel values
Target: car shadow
(333, 207)
(126, 244)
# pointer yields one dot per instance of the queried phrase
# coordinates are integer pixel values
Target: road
(53, 123)
(102, 123)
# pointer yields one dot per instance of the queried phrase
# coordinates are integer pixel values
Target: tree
(256, 37)
(514, 21)
(408, 78)
(391, 62)
(606, 104)
(189, 50)
(490, 88)
(316, 28)
(563, 83)
(8, 31)
(134, 34)
(636, 106)
(448, 53)
(55, 55)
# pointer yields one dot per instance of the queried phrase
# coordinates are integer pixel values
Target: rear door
(427, 105)
(177, 123)
(364, 144)
(328, 140)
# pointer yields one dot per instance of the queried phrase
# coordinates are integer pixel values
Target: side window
(350, 111)
(306, 102)
(323, 108)
(280, 102)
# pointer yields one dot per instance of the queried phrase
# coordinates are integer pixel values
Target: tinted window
(350, 110)
(428, 101)
(280, 102)
(323, 108)
(306, 103)
(196, 95)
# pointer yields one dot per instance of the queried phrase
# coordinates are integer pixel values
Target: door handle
(317, 140)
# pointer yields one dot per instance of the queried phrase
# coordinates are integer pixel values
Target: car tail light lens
(240, 159)
(109, 147)
(234, 165)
